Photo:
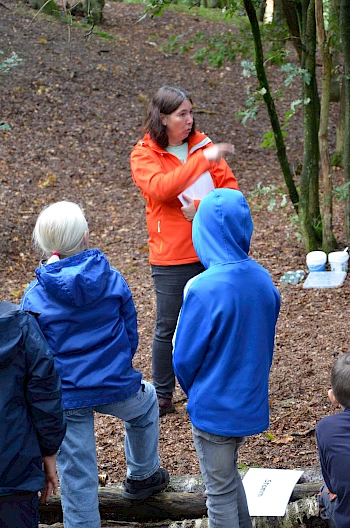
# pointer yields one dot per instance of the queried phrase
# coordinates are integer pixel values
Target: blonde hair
(60, 228)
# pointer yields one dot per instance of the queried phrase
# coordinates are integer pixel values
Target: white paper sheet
(268, 490)
(200, 188)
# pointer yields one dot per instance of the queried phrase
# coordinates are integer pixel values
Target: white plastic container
(316, 261)
(338, 260)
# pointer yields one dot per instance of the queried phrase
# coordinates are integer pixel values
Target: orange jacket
(161, 177)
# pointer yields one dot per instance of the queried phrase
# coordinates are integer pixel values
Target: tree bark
(336, 69)
(345, 35)
(292, 14)
(261, 11)
(328, 240)
(309, 213)
(339, 146)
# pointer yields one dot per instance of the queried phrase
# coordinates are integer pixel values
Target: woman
(165, 164)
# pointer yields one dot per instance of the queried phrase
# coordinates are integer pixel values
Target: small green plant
(5, 66)
(251, 108)
(295, 222)
(173, 44)
(269, 140)
(342, 192)
(269, 137)
(275, 196)
(10, 62)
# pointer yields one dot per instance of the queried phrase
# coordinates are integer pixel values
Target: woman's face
(178, 123)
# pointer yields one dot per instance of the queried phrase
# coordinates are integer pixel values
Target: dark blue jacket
(333, 441)
(86, 312)
(31, 414)
(225, 334)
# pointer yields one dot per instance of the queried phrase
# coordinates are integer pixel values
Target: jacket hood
(76, 280)
(7, 307)
(222, 228)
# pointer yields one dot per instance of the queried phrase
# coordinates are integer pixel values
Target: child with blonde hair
(86, 312)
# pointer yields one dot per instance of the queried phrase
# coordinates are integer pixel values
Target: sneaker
(141, 489)
(165, 406)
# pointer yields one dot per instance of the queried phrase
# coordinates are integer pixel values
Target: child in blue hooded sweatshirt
(223, 349)
(86, 312)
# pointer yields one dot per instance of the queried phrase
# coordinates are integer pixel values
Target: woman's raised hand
(216, 152)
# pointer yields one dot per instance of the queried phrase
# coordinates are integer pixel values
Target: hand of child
(51, 485)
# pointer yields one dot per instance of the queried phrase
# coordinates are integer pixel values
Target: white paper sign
(268, 490)
(198, 189)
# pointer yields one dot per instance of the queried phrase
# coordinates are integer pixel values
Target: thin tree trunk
(264, 86)
(328, 241)
(345, 35)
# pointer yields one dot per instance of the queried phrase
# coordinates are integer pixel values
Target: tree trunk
(260, 13)
(339, 146)
(309, 215)
(292, 14)
(328, 240)
(279, 21)
(345, 35)
(264, 87)
(278, 16)
(336, 70)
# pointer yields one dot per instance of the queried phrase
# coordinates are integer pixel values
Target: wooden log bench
(182, 505)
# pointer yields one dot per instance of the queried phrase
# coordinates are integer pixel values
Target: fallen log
(184, 498)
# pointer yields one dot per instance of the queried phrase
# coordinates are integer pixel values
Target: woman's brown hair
(166, 101)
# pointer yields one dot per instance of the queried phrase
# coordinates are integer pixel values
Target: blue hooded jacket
(86, 312)
(224, 339)
(32, 422)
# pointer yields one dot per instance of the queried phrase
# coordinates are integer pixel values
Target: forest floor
(75, 105)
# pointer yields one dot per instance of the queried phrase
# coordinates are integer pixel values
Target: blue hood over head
(222, 228)
(86, 312)
(78, 280)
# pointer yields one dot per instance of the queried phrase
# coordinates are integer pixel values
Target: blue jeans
(77, 463)
(169, 282)
(20, 510)
(327, 503)
(226, 499)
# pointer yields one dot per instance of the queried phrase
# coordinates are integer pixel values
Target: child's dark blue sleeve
(43, 390)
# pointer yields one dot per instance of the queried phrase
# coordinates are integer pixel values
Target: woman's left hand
(188, 210)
